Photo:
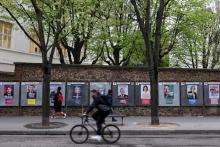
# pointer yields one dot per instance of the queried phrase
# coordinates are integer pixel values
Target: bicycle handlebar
(86, 118)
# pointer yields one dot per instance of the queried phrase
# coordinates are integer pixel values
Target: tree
(116, 31)
(42, 18)
(78, 30)
(198, 45)
(144, 18)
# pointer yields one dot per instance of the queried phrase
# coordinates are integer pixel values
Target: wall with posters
(191, 101)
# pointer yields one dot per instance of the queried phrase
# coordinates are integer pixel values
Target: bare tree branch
(31, 19)
(21, 27)
(108, 53)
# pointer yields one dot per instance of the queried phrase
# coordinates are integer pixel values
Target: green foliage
(193, 47)
(106, 26)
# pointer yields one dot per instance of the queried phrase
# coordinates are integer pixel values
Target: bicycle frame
(86, 122)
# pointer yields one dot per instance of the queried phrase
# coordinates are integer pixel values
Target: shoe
(114, 120)
(96, 137)
(53, 116)
(64, 115)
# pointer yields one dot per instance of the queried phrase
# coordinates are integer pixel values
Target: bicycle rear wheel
(79, 134)
(111, 133)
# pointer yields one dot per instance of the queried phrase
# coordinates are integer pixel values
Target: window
(5, 34)
(33, 47)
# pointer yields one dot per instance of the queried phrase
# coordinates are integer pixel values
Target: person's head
(77, 90)
(93, 93)
(122, 91)
(31, 88)
(101, 89)
(109, 92)
(58, 89)
(9, 90)
(145, 88)
(166, 89)
(193, 88)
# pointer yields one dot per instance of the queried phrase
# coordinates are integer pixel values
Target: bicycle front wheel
(111, 133)
(79, 134)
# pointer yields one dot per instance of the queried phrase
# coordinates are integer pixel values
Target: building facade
(16, 47)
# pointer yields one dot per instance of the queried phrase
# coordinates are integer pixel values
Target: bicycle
(79, 133)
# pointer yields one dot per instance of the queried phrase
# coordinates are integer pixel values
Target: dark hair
(109, 91)
(94, 91)
(59, 88)
(144, 87)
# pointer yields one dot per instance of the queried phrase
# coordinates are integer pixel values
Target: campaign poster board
(31, 93)
(211, 93)
(77, 94)
(9, 93)
(101, 87)
(53, 91)
(142, 94)
(169, 94)
(123, 93)
(191, 93)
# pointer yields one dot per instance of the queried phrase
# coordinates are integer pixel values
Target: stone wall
(30, 72)
(87, 73)
(7, 76)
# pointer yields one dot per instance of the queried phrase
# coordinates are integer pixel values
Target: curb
(123, 132)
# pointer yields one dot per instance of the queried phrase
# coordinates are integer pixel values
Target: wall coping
(7, 73)
(118, 67)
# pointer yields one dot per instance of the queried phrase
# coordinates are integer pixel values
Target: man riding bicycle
(103, 110)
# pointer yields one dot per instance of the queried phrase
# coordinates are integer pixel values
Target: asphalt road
(186, 140)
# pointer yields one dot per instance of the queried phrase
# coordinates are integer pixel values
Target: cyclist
(103, 110)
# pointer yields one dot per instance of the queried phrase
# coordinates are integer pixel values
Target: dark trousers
(100, 116)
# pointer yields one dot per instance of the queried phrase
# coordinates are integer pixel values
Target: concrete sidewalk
(132, 125)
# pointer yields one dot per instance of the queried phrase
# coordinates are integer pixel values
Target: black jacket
(100, 103)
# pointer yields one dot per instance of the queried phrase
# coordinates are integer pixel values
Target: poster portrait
(31, 94)
(169, 94)
(192, 94)
(53, 90)
(8, 94)
(122, 94)
(101, 87)
(145, 94)
(214, 94)
(77, 94)
(192, 91)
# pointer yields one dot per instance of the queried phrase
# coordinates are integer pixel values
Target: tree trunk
(77, 51)
(62, 61)
(116, 55)
(45, 99)
(154, 96)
